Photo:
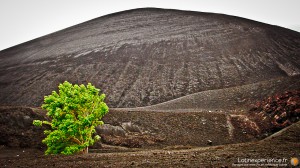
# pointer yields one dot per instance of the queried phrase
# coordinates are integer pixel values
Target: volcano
(192, 75)
(143, 57)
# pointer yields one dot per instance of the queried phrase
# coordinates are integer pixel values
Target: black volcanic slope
(148, 56)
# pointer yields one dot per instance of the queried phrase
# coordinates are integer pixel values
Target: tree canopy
(75, 111)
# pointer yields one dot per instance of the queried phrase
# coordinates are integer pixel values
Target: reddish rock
(280, 111)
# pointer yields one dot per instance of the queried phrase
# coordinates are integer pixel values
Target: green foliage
(75, 112)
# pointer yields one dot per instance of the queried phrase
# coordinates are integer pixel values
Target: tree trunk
(85, 150)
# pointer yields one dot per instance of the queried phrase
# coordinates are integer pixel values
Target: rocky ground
(284, 145)
(165, 138)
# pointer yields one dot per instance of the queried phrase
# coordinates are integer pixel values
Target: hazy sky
(23, 20)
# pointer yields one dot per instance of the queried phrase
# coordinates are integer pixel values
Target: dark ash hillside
(148, 56)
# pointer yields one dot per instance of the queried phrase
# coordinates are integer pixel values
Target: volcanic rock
(277, 112)
(147, 56)
(17, 130)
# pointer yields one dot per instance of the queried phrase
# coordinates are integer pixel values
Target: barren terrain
(179, 84)
(147, 56)
(285, 144)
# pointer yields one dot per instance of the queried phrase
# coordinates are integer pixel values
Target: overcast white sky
(23, 20)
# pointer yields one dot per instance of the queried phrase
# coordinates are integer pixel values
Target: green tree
(74, 112)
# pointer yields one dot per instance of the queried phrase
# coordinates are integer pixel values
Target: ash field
(185, 89)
